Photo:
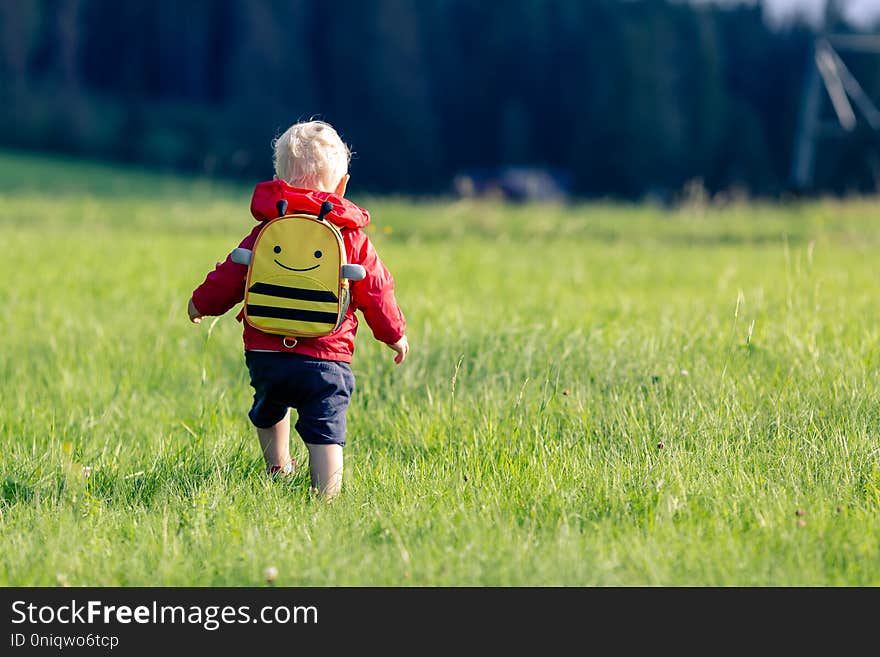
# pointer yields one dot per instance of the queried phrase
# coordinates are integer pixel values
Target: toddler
(313, 375)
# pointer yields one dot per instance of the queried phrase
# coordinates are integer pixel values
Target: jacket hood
(345, 214)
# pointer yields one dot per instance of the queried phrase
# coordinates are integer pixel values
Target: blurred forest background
(626, 98)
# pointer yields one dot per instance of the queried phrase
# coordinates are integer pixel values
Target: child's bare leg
(275, 442)
(325, 466)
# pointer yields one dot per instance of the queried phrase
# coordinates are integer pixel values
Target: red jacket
(373, 296)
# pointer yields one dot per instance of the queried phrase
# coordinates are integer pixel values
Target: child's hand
(402, 349)
(194, 315)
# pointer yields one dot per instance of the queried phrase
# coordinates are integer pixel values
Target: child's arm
(374, 297)
(223, 287)
(194, 315)
(402, 349)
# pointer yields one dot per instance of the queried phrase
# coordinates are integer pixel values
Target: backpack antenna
(326, 208)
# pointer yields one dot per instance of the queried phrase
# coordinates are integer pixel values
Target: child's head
(311, 154)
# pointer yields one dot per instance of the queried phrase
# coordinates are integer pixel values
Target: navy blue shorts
(318, 389)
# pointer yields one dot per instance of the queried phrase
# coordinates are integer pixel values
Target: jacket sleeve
(374, 296)
(224, 287)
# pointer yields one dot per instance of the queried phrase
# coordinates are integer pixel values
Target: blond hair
(311, 154)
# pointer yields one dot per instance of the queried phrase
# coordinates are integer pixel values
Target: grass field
(596, 395)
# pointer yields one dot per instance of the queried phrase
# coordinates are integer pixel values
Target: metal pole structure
(826, 68)
(854, 90)
(826, 64)
(803, 164)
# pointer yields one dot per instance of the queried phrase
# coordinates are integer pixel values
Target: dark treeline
(630, 98)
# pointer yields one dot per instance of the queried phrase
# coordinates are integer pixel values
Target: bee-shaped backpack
(298, 277)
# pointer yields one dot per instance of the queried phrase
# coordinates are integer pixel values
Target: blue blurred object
(514, 183)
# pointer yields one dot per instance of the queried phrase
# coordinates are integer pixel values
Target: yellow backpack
(298, 277)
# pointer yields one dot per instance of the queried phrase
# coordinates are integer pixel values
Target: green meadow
(599, 394)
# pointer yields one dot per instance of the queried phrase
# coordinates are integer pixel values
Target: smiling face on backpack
(294, 248)
(278, 251)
